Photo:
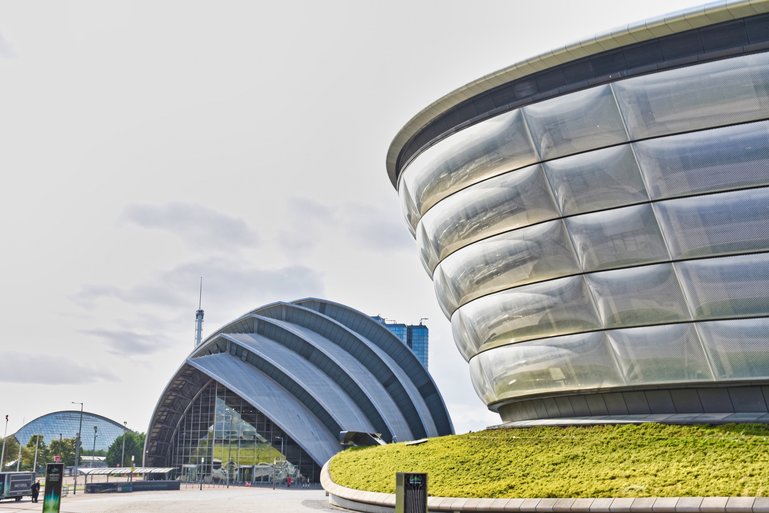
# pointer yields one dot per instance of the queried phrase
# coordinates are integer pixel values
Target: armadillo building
(596, 220)
(280, 383)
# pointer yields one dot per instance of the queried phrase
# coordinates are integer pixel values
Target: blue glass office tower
(415, 336)
(596, 220)
(417, 341)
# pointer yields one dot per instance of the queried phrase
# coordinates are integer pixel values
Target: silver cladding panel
(627, 246)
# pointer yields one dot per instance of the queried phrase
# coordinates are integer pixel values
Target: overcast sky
(146, 143)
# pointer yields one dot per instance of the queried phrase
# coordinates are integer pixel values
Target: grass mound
(643, 460)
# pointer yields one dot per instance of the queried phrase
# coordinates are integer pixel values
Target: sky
(144, 144)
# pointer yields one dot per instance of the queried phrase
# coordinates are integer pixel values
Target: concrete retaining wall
(374, 502)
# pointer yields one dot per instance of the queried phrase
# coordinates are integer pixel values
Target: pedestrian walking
(35, 490)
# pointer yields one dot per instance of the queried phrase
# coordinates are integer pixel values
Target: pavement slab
(190, 500)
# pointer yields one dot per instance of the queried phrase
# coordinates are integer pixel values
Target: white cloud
(35, 368)
(196, 225)
(365, 227)
(245, 144)
(6, 50)
(229, 284)
(126, 342)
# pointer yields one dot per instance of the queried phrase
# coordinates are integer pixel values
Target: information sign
(54, 475)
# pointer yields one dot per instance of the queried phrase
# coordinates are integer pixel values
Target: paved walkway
(190, 500)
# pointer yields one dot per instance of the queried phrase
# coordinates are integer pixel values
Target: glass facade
(418, 341)
(415, 336)
(222, 438)
(65, 424)
(621, 238)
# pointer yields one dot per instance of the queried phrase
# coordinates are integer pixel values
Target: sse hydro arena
(596, 221)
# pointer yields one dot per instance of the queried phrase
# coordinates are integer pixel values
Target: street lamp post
(37, 444)
(18, 460)
(2, 455)
(122, 454)
(237, 472)
(77, 446)
(275, 471)
(93, 452)
(228, 414)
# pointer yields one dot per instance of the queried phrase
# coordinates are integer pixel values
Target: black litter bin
(410, 493)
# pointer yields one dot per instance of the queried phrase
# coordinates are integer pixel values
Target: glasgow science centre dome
(596, 221)
(280, 383)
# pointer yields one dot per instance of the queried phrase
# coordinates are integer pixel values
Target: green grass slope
(643, 460)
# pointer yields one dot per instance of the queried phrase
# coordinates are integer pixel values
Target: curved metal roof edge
(403, 379)
(377, 326)
(645, 30)
(328, 405)
(159, 403)
(387, 332)
(239, 319)
(223, 335)
(275, 419)
(166, 390)
(255, 311)
(299, 303)
(386, 424)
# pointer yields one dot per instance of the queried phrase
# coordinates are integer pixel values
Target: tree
(64, 448)
(134, 446)
(42, 453)
(11, 452)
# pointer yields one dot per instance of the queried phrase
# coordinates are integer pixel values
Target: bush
(641, 460)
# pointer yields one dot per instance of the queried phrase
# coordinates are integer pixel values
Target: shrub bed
(630, 460)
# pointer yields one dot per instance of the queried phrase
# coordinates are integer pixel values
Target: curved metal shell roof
(315, 368)
(653, 28)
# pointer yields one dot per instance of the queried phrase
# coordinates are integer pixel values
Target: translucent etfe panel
(494, 146)
(574, 362)
(735, 286)
(616, 238)
(596, 180)
(511, 259)
(446, 291)
(575, 122)
(739, 349)
(711, 160)
(428, 253)
(503, 203)
(660, 354)
(466, 337)
(408, 208)
(707, 95)
(716, 224)
(638, 296)
(546, 309)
